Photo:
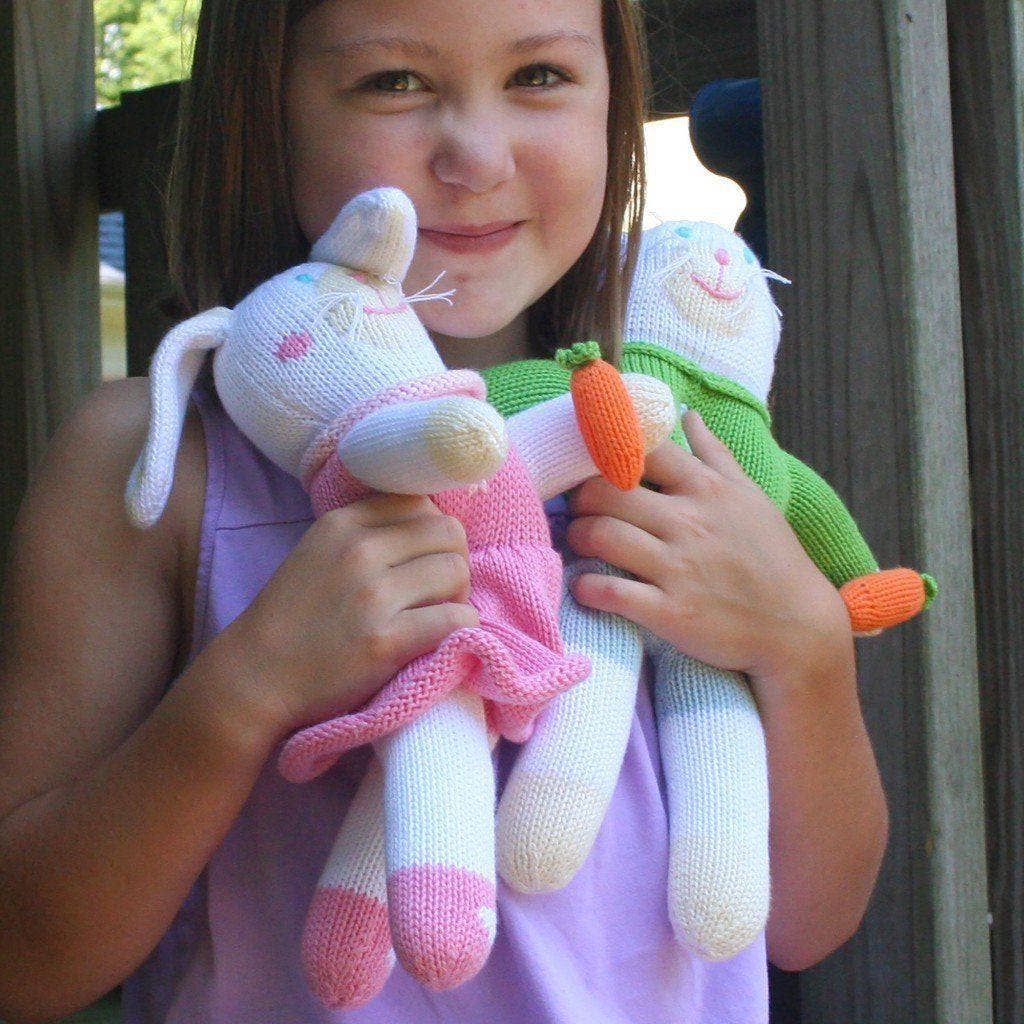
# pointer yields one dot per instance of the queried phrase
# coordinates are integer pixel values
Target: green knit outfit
(813, 509)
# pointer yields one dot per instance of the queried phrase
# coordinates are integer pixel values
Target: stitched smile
(716, 291)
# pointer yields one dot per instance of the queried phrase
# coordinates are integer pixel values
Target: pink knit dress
(514, 659)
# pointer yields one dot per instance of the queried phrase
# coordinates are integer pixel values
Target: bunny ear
(374, 233)
(175, 366)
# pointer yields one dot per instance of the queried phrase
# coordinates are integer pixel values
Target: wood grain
(51, 277)
(870, 391)
(13, 296)
(987, 55)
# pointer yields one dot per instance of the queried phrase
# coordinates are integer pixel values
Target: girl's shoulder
(184, 513)
(96, 448)
(97, 612)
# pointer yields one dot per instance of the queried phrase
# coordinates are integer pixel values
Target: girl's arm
(111, 799)
(113, 796)
(722, 576)
(829, 822)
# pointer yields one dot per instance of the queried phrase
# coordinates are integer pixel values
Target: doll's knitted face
(700, 291)
(712, 277)
(307, 345)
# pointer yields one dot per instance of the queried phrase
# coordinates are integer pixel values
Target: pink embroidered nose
(723, 257)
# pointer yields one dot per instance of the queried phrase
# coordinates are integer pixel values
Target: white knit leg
(716, 773)
(562, 782)
(439, 829)
(346, 944)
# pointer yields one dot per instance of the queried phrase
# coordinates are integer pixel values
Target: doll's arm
(825, 527)
(875, 599)
(423, 447)
(548, 437)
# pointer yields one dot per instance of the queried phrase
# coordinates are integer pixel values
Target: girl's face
(491, 117)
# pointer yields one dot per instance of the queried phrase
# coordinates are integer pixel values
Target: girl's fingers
(676, 471)
(384, 509)
(712, 451)
(672, 469)
(430, 579)
(639, 602)
(620, 544)
(411, 539)
(641, 507)
(422, 629)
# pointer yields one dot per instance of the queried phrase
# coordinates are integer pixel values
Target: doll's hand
(719, 572)
(426, 446)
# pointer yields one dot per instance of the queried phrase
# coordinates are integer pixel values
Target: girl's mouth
(490, 241)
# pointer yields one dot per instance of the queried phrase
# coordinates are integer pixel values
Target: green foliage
(141, 43)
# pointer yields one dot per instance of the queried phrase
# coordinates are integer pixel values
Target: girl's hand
(719, 572)
(367, 589)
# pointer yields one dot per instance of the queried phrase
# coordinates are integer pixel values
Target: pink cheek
(293, 346)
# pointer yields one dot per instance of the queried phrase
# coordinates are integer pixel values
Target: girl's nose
(723, 257)
(474, 153)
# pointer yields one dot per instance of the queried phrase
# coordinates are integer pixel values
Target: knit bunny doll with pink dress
(329, 372)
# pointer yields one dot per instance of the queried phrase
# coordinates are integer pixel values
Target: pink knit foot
(346, 947)
(443, 921)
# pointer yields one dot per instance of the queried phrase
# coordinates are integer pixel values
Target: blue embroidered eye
(684, 231)
(304, 277)
(749, 256)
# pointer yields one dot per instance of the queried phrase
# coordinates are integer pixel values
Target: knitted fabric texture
(345, 925)
(701, 319)
(608, 421)
(514, 659)
(816, 513)
(712, 743)
(329, 373)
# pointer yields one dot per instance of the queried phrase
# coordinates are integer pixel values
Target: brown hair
(229, 219)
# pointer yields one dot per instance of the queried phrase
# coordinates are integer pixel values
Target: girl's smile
(473, 240)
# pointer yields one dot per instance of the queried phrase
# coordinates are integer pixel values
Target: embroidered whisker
(422, 296)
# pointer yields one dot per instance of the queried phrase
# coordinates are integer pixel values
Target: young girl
(146, 837)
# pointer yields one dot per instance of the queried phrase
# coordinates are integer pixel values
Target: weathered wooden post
(987, 56)
(49, 282)
(871, 390)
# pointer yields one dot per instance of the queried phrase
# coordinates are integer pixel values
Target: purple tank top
(600, 950)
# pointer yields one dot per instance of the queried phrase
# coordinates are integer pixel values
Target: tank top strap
(245, 492)
(244, 488)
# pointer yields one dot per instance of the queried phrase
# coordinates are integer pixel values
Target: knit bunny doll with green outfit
(701, 318)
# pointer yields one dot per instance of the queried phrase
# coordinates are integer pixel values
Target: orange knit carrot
(607, 418)
(886, 598)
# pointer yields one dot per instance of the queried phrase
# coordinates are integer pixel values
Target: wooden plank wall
(987, 55)
(13, 298)
(870, 390)
(51, 335)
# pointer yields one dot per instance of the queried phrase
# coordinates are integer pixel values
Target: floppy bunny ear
(175, 366)
(375, 233)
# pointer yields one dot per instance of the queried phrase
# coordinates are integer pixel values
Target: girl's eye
(401, 81)
(540, 76)
(396, 82)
